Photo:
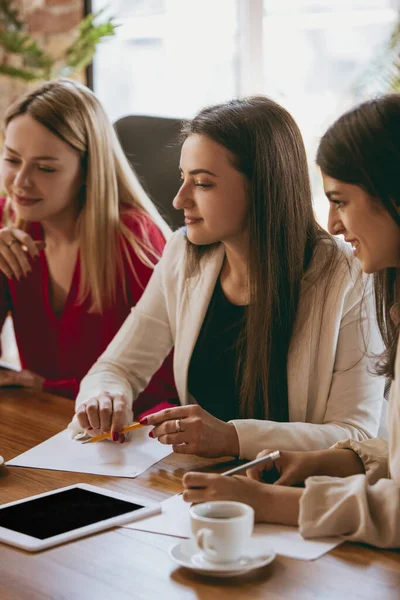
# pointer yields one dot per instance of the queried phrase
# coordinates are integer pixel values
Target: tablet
(68, 513)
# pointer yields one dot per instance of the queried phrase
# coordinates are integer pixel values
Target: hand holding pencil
(107, 435)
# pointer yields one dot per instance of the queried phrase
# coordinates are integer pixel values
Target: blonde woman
(79, 240)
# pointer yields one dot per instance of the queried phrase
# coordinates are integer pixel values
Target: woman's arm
(136, 352)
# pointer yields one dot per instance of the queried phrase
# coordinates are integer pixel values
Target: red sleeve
(161, 391)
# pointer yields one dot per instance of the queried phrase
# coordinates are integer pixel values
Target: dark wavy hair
(267, 147)
(363, 148)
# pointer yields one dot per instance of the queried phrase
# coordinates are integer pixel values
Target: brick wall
(52, 23)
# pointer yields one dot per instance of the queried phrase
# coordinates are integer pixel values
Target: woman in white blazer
(352, 489)
(265, 310)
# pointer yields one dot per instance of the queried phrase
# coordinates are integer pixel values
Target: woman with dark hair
(266, 311)
(359, 495)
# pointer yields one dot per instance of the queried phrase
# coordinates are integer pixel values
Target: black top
(212, 370)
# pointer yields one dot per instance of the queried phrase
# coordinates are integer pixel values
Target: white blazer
(332, 395)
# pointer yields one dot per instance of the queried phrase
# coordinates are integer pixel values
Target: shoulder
(333, 263)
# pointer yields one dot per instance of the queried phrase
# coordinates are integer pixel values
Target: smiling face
(213, 194)
(372, 232)
(41, 173)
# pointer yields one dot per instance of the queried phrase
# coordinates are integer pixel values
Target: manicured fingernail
(151, 434)
(122, 438)
(89, 428)
(115, 436)
(143, 421)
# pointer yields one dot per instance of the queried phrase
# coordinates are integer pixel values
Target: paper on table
(286, 541)
(61, 453)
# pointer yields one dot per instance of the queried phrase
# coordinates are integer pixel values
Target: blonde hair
(73, 113)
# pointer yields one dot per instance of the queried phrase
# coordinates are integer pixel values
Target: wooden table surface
(122, 563)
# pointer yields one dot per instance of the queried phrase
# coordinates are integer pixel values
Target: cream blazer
(361, 508)
(331, 393)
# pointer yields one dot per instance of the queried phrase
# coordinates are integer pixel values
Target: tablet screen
(52, 515)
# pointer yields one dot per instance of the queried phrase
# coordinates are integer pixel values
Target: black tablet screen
(52, 515)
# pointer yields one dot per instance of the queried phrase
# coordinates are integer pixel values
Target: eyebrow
(199, 171)
(36, 157)
(331, 193)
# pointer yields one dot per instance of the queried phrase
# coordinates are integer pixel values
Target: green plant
(33, 63)
(383, 75)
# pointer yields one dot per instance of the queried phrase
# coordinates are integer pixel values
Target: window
(172, 57)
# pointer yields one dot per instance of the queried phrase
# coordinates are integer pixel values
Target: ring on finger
(178, 425)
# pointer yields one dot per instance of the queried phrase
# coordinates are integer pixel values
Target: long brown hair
(73, 113)
(363, 148)
(267, 147)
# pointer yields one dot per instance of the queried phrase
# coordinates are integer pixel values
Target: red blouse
(62, 349)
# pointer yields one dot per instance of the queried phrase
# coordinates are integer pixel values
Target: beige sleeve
(352, 508)
(374, 455)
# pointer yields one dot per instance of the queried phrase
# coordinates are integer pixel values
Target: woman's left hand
(192, 430)
(271, 503)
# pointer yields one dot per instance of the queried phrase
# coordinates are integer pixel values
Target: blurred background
(315, 57)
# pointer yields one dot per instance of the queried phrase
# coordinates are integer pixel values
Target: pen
(107, 435)
(253, 463)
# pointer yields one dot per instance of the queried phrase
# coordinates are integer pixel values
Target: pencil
(253, 463)
(107, 435)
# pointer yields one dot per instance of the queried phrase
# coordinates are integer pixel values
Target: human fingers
(82, 415)
(92, 411)
(118, 418)
(12, 264)
(105, 411)
(25, 240)
(7, 377)
(256, 472)
(168, 414)
(170, 428)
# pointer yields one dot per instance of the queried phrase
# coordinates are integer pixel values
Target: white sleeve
(136, 352)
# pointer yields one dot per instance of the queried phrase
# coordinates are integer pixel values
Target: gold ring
(8, 244)
(178, 425)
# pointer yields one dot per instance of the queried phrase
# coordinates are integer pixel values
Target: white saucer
(187, 554)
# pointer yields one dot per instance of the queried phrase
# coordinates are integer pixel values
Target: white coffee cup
(222, 529)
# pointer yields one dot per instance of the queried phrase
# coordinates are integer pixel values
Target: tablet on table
(68, 513)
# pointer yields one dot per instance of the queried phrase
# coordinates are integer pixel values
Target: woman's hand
(294, 467)
(15, 248)
(22, 378)
(291, 467)
(104, 413)
(192, 430)
(272, 504)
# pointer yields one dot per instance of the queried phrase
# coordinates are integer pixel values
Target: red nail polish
(143, 421)
(115, 436)
(151, 434)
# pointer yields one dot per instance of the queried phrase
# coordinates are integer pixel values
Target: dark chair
(151, 146)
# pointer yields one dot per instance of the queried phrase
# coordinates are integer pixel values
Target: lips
(192, 220)
(355, 244)
(25, 200)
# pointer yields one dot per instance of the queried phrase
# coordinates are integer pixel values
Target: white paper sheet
(61, 453)
(287, 541)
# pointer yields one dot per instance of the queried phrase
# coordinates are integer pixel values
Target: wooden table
(123, 563)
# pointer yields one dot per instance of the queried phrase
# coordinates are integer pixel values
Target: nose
(182, 198)
(335, 225)
(22, 177)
